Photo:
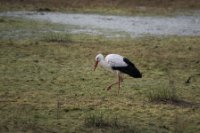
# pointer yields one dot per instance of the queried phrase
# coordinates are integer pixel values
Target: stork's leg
(119, 78)
(110, 86)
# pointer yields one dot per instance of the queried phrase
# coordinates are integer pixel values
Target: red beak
(95, 66)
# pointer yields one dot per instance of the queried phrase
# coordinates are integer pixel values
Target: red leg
(119, 79)
(110, 86)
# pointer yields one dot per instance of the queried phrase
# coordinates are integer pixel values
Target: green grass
(48, 86)
(57, 37)
(104, 122)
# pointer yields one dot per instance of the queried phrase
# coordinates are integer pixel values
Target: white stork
(118, 64)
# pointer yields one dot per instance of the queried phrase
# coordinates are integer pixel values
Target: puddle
(108, 24)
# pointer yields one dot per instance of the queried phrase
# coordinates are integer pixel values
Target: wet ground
(118, 25)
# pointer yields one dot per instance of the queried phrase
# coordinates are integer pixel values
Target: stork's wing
(118, 62)
(131, 69)
(115, 60)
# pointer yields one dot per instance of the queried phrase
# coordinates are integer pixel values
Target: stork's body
(118, 64)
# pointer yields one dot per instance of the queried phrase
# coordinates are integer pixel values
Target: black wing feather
(131, 69)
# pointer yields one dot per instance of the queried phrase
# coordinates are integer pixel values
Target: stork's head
(98, 58)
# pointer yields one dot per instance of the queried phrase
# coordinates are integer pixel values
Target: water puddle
(117, 25)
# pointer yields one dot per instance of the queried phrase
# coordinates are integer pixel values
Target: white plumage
(119, 64)
(115, 60)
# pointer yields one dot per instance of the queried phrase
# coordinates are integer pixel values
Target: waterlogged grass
(57, 37)
(48, 85)
(15, 28)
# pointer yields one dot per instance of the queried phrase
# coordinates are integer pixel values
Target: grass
(162, 95)
(105, 123)
(120, 7)
(166, 93)
(97, 120)
(57, 37)
(17, 28)
(48, 86)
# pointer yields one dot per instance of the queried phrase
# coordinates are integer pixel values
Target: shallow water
(109, 24)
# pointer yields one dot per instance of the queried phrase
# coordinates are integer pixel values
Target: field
(119, 7)
(48, 83)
